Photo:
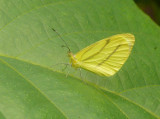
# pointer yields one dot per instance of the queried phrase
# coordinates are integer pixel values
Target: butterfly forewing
(106, 56)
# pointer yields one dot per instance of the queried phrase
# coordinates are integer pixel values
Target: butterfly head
(73, 60)
(70, 54)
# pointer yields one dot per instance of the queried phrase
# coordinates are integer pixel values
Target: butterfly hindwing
(106, 56)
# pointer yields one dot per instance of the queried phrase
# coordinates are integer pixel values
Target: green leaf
(33, 84)
(148, 97)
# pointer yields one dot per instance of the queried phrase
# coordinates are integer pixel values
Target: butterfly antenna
(61, 39)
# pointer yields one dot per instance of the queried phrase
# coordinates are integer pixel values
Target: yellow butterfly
(104, 57)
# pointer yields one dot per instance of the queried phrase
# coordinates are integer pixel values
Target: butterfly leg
(66, 64)
(85, 78)
(80, 70)
(80, 73)
(65, 67)
(60, 63)
(68, 71)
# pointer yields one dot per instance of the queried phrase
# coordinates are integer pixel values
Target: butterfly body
(106, 56)
(74, 62)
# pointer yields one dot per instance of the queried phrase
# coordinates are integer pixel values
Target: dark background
(150, 7)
